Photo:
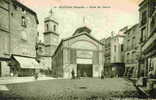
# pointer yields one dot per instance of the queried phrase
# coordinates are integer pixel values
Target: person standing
(36, 75)
(102, 74)
(73, 74)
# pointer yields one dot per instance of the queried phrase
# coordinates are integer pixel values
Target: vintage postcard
(77, 49)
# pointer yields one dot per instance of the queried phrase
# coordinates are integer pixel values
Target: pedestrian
(151, 73)
(85, 74)
(102, 74)
(36, 75)
(73, 74)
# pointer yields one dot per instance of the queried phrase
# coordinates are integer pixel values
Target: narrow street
(63, 89)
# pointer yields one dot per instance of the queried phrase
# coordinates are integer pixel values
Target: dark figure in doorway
(102, 74)
(73, 74)
(151, 73)
(78, 74)
(85, 74)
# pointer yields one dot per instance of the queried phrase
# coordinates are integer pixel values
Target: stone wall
(23, 37)
(4, 28)
(5, 69)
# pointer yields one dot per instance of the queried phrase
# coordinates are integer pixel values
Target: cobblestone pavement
(67, 89)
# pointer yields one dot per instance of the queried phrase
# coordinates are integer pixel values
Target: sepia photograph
(77, 49)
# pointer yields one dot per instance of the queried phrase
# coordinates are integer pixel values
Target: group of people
(84, 74)
(78, 74)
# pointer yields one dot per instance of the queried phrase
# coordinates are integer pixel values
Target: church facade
(79, 53)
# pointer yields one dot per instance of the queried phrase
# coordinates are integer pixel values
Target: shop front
(24, 66)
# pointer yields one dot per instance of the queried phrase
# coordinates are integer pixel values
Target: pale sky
(102, 21)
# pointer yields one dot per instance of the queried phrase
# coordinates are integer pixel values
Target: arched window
(23, 21)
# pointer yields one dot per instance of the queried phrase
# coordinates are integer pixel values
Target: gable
(82, 41)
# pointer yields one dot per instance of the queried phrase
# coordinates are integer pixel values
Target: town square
(53, 51)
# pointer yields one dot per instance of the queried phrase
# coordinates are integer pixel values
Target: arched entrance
(84, 57)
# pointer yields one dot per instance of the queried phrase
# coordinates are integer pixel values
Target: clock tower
(51, 36)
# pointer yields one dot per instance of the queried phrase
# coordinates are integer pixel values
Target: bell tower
(51, 36)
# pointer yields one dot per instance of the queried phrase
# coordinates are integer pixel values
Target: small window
(128, 43)
(23, 9)
(23, 21)
(133, 42)
(47, 27)
(54, 28)
(122, 47)
(143, 34)
(15, 7)
(12, 14)
(115, 48)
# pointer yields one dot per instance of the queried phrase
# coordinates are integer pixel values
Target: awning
(27, 63)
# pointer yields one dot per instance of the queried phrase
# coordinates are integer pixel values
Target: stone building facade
(117, 55)
(147, 19)
(107, 56)
(44, 60)
(132, 51)
(19, 30)
(4, 37)
(79, 53)
(114, 54)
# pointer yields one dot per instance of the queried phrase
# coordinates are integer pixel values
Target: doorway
(86, 70)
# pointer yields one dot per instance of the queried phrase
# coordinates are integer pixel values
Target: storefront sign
(84, 61)
(84, 54)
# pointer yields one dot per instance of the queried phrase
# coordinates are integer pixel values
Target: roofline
(131, 28)
(74, 37)
(83, 34)
(51, 32)
(22, 56)
(141, 2)
(57, 48)
(46, 20)
(45, 56)
(40, 43)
